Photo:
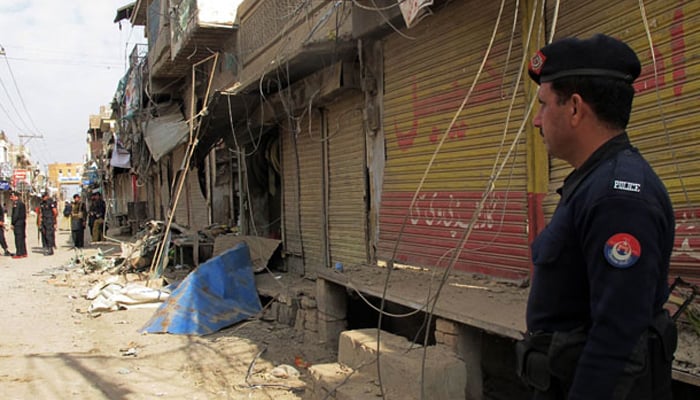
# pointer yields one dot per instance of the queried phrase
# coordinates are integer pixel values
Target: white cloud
(67, 58)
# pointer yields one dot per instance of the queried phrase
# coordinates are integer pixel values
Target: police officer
(77, 221)
(596, 324)
(19, 225)
(3, 242)
(97, 214)
(47, 217)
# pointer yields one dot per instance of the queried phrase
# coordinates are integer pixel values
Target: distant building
(66, 178)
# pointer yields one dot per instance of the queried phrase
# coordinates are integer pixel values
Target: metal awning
(164, 133)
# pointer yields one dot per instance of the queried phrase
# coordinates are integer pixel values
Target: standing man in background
(3, 242)
(97, 213)
(47, 217)
(19, 225)
(597, 327)
(77, 221)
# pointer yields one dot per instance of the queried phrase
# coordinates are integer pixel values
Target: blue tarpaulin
(217, 294)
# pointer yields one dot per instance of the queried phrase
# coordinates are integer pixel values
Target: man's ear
(577, 109)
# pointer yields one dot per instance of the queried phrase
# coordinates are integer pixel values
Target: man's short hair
(75, 195)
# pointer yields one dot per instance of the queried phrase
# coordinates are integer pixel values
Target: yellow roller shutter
(426, 80)
(303, 203)
(347, 209)
(665, 119)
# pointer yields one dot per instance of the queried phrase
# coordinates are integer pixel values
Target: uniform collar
(604, 152)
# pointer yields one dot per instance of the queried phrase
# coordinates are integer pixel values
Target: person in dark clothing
(98, 209)
(3, 242)
(77, 221)
(596, 326)
(47, 221)
(19, 225)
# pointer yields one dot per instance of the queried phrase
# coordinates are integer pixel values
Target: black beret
(600, 55)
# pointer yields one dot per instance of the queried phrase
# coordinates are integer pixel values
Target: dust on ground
(52, 348)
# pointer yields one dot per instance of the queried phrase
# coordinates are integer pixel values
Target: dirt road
(51, 348)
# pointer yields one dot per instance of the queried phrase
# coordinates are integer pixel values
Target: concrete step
(400, 360)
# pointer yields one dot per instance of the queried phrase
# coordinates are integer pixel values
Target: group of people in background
(47, 222)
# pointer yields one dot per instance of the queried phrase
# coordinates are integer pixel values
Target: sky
(63, 60)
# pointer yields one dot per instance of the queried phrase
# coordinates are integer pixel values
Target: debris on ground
(113, 296)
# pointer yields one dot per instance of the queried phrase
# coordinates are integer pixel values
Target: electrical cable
(662, 114)
(405, 36)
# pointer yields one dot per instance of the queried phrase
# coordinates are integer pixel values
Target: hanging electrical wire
(19, 96)
(659, 105)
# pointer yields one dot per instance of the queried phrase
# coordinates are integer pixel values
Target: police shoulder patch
(622, 250)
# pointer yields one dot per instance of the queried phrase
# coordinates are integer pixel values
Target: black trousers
(21, 240)
(78, 237)
(3, 242)
(48, 235)
(649, 378)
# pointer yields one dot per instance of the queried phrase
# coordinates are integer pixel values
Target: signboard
(19, 176)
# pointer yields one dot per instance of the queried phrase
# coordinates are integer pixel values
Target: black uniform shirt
(602, 262)
(47, 212)
(19, 214)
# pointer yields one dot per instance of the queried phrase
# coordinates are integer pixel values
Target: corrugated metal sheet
(664, 128)
(304, 213)
(291, 229)
(123, 192)
(199, 212)
(347, 209)
(181, 214)
(164, 187)
(311, 203)
(425, 82)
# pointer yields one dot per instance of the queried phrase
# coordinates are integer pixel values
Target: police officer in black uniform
(3, 243)
(47, 216)
(19, 225)
(596, 324)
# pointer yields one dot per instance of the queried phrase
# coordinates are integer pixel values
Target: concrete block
(299, 320)
(331, 299)
(335, 381)
(400, 361)
(286, 314)
(308, 303)
(329, 330)
(451, 341)
(471, 344)
(358, 348)
(311, 321)
(446, 326)
(325, 377)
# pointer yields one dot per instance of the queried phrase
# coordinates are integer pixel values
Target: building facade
(353, 139)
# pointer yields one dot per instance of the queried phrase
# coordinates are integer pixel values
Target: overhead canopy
(124, 12)
(166, 132)
(135, 12)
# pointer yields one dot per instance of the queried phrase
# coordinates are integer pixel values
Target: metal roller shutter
(164, 187)
(303, 201)
(198, 211)
(664, 128)
(347, 210)
(425, 82)
(290, 194)
(181, 212)
(311, 199)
